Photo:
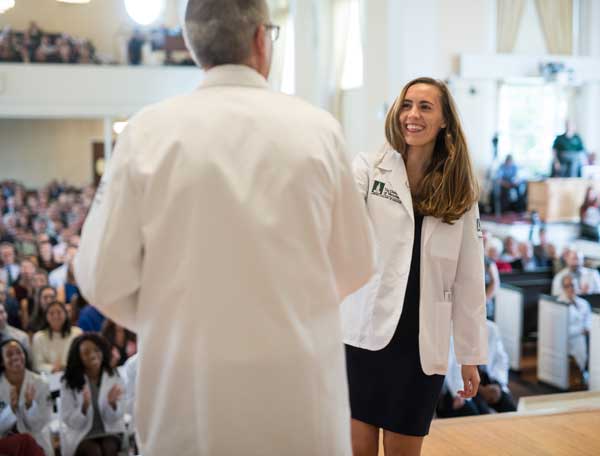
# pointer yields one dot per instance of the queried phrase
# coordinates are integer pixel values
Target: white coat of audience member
(587, 279)
(498, 361)
(257, 203)
(89, 361)
(130, 370)
(58, 277)
(25, 400)
(580, 321)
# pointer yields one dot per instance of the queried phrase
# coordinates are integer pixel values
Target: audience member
(587, 278)
(10, 332)
(10, 268)
(492, 285)
(25, 396)
(568, 152)
(544, 252)
(51, 344)
(493, 252)
(511, 249)
(122, 341)
(580, 314)
(45, 296)
(589, 213)
(510, 189)
(526, 260)
(11, 306)
(92, 400)
(493, 389)
(46, 259)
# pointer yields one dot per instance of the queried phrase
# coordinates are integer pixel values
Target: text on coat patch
(380, 189)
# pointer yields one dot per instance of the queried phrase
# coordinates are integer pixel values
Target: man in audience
(526, 260)
(511, 189)
(10, 305)
(543, 251)
(587, 278)
(8, 261)
(580, 315)
(568, 152)
(235, 288)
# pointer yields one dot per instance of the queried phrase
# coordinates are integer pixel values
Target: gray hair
(219, 32)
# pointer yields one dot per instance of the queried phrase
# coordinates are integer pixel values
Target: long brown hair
(449, 188)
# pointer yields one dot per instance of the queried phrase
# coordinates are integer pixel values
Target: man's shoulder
(16, 333)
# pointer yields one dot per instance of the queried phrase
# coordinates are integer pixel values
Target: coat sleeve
(70, 409)
(109, 414)
(39, 414)
(351, 245)
(109, 261)
(360, 169)
(7, 417)
(469, 315)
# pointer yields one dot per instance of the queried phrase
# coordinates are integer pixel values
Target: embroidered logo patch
(380, 189)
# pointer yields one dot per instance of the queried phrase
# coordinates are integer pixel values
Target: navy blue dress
(388, 387)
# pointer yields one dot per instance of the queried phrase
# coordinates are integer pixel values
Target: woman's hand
(471, 381)
(14, 399)
(29, 396)
(114, 395)
(87, 399)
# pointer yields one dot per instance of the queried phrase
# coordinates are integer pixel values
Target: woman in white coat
(92, 403)
(25, 402)
(421, 195)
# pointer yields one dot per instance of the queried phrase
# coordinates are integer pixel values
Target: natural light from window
(288, 78)
(352, 72)
(531, 114)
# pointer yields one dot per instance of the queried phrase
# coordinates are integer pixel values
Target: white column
(108, 138)
(307, 46)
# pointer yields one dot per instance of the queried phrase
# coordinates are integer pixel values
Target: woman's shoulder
(35, 377)
(40, 336)
(76, 331)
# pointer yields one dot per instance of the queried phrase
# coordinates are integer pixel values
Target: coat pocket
(443, 317)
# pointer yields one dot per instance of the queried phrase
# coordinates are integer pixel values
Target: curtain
(341, 20)
(280, 16)
(509, 15)
(556, 17)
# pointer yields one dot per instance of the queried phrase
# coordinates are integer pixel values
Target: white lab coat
(36, 419)
(452, 272)
(226, 232)
(586, 277)
(580, 319)
(76, 425)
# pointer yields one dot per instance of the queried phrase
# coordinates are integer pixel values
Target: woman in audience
(92, 398)
(45, 296)
(511, 250)
(26, 397)
(123, 342)
(51, 344)
(580, 314)
(493, 252)
(46, 257)
(589, 212)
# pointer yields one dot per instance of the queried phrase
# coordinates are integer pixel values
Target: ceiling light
(145, 12)
(74, 1)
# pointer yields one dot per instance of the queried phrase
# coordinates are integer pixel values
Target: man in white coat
(226, 232)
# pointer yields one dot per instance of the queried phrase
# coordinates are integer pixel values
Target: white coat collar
(391, 160)
(234, 75)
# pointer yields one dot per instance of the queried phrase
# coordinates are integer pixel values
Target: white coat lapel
(393, 163)
(429, 226)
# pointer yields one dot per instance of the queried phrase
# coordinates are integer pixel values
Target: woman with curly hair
(92, 400)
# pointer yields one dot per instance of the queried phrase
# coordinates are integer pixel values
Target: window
(352, 71)
(288, 78)
(531, 114)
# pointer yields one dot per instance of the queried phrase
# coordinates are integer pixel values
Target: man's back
(244, 206)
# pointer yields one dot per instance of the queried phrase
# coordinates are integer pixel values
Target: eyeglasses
(273, 30)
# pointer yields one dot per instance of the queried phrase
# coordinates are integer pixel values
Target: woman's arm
(71, 409)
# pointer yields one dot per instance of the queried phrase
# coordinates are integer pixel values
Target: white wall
(36, 151)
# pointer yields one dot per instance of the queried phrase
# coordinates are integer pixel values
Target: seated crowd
(48, 330)
(35, 46)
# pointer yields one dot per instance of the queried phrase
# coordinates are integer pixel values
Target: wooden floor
(575, 433)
